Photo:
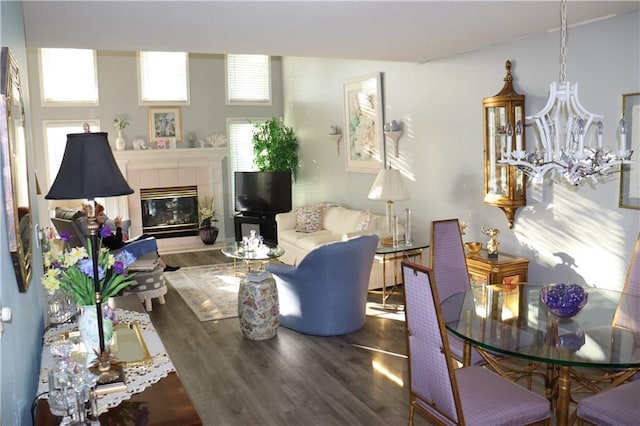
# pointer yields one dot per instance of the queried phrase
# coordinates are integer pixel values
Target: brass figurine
(493, 245)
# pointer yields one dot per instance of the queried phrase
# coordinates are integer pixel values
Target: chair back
(628, 312)
(326, 294)
(447, 258)
(433, 386)
(632, 283)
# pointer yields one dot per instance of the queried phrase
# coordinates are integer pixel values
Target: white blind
(163, 77)
(248, 79)
(68, 76)
(240, 133)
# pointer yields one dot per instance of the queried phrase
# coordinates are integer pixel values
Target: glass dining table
(510, 319)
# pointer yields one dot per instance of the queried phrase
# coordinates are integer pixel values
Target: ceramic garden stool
(149, 284)
(258, 308)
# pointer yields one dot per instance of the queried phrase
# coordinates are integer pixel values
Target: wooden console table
(506, 269)
(163, 403)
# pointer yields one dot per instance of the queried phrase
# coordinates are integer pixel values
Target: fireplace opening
(170, 212)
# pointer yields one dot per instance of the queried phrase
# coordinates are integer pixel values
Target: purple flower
(65, 236)
(119, 267)
(86, 267)
(125, 257)
(105, 231)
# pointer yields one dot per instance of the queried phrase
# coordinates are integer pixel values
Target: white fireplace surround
(155, 168)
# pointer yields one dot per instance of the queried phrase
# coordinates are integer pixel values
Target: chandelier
(569, 144)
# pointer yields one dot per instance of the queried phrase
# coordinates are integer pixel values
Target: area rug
(211, 291)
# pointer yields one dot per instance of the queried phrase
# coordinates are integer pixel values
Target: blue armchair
(326, 294)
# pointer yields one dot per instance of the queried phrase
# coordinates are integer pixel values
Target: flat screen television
(260, 193)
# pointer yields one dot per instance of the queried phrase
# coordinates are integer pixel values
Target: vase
(120, 142)
(88, 328)
(61, 307)
(208, 234)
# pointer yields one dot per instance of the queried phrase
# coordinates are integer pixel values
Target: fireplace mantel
(154, 168)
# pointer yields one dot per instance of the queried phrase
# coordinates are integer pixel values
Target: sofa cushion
(339, 220)
(309, 218)
(312, 241)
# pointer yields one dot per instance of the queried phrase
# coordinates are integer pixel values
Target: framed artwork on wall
(630, 173)
(364, 138)
(164, 123)
(13, 155)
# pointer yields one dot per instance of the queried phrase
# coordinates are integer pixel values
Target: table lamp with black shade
(89, 170)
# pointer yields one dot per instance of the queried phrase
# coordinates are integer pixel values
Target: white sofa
(338, 224)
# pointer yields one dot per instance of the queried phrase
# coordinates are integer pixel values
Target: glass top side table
(390, 253)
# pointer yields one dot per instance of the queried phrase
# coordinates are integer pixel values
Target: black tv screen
(262, 192)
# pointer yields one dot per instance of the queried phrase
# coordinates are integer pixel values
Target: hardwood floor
(292, 379)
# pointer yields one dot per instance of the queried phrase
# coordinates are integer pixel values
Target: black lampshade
(88, 170)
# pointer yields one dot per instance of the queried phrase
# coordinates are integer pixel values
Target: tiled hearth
(201, 167)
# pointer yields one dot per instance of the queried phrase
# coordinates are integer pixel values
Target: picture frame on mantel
(364, 137)
(165, 123)
(630, 173)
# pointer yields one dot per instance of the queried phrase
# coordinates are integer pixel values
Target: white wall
(569, 235)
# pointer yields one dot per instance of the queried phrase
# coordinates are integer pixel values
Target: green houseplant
(275, 147)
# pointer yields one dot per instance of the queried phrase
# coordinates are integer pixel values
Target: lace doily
(137, 378)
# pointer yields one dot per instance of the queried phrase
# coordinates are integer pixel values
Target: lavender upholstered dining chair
(469, 395)
(626, 318)
(616, 406)
(450, 271)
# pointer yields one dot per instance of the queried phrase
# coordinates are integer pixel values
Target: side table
(258, 307)
(506, 269)
(387, 254)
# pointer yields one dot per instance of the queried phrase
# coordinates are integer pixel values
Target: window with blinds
(248, 80)
(163, 78)
(239, 135)
(65, 85)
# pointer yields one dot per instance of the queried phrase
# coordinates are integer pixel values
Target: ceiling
(409, 31)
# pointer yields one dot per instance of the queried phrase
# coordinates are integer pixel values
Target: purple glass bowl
(564, 300)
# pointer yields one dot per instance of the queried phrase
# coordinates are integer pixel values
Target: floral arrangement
(564, 300)
(206, 211)
(120, 122)
(72, 271)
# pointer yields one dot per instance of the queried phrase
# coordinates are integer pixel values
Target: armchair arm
(286, 221)
(281, 269)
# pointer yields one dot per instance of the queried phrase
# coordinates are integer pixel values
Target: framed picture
(164, 123)
(13, 153)
(364, 138)
(630, 173)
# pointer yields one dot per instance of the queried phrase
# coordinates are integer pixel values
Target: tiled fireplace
(199, 168)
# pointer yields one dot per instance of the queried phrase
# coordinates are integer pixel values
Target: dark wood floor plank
(292, 379)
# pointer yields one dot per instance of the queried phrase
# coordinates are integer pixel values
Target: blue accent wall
(21, 342)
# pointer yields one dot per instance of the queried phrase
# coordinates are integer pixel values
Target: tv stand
(263, 223)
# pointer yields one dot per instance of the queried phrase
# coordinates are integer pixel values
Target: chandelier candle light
(570, 137)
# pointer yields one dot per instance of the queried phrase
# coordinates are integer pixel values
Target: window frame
(60, 103)
(247, 102)
(163, 102)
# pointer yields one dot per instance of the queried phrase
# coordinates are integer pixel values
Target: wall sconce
(393, 131)
(335, 135)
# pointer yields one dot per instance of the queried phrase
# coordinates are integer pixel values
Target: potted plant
(206, 217)
(275, 147)
(119, 123)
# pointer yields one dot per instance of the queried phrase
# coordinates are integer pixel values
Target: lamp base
(387, 241)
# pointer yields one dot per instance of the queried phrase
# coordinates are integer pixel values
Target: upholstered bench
(149, 284)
